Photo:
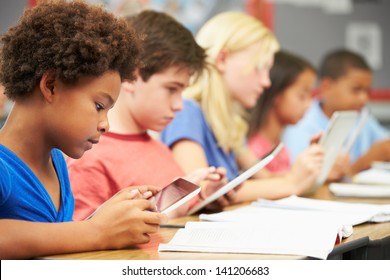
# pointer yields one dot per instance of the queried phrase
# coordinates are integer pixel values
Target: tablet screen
(174, 193)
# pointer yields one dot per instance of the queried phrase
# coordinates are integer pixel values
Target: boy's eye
(99, 106)
(172, 90)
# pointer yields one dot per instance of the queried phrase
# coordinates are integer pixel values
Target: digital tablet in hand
(174, 195)
(239, 179)
(340, 126)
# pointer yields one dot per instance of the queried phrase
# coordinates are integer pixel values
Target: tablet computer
(333, 140)
(355, 132)
(239, 179)
(174, 195)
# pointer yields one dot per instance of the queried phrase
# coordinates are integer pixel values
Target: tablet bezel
(333, 140)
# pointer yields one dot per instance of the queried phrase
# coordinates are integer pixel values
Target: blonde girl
(211, 129)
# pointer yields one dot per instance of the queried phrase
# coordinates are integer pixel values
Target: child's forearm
(24, 239)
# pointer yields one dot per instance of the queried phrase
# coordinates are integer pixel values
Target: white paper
(374, 176)
(360, 212)
(383, 165)
(360, 190)
(286, 217)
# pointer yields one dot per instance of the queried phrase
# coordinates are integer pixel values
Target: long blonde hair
(232, 31)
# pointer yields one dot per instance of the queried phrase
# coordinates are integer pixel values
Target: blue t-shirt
(297, 137)
(22, 195)
(191, 124)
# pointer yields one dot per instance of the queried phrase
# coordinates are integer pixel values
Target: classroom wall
(311, 30)
(10, 11)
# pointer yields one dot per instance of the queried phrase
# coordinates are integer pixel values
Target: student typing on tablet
(63, 74)
(211, 129)
(345, 84)
(283, 103)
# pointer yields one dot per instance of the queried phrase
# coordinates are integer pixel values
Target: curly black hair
(73, 39)
(165, 42)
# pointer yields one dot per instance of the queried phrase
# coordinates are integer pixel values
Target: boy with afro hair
(62, 65)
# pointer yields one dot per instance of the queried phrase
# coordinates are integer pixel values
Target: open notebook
(255, 238)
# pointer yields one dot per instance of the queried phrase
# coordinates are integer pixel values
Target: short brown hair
(166, 42)
(72, 39)
(336, 63)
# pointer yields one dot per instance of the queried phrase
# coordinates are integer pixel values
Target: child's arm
(380, 151)
(120, 222)
(295, 182)
(191, 157)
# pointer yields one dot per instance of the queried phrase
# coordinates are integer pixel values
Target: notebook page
(214, 237)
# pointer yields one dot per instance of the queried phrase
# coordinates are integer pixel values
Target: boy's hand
(340, 168)
(208, 173)
(307, 167)
(315, 139)
(122, 221)
(145, 191)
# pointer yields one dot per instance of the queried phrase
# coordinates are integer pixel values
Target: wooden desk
(355, 246)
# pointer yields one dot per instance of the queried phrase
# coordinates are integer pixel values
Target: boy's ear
(221, 60)
(325, 84)
(128, 86)
(46, 85)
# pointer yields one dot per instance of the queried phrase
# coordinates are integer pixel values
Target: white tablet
(174, 195)
(239, 179)
(355, 132)
(339, 128)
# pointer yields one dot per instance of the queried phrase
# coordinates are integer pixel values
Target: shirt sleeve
(5, 183)
(297, 140)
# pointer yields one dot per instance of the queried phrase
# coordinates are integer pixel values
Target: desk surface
(149, 251)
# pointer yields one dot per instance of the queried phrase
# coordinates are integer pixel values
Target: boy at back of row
(345, 84)
(62, 65)
(127, 155)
